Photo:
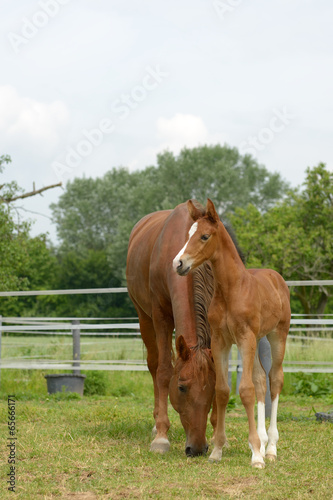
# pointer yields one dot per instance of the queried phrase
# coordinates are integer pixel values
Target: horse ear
(211, 212)
(193, 211)
(182, 348)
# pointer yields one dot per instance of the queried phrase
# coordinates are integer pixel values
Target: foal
(247, 305)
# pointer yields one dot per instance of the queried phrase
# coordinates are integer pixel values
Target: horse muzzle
(182, 268)
(193, 451)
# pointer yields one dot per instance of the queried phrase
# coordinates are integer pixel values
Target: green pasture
(97, 446)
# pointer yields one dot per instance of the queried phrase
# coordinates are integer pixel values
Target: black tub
(68, 381)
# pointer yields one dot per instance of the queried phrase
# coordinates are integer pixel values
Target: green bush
(95, 383)
(312, 384)
(232, 403)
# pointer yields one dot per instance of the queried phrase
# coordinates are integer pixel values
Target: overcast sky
(90, 85)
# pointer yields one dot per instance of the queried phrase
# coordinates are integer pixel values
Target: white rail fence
(77, 327)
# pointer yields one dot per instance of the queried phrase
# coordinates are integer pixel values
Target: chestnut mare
(247, 305)
(165, 302)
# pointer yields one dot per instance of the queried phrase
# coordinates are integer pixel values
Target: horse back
(272, 288)
(141, 243)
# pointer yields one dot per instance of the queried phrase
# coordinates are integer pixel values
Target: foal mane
(203, 290)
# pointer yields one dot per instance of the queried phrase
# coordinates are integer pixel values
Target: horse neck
(227, 265)
(183, 308)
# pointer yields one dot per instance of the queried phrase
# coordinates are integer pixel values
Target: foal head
(202, 239)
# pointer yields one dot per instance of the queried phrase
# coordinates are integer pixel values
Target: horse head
(191, 393)
(202, 239)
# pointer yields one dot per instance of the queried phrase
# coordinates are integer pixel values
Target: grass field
(97, 447)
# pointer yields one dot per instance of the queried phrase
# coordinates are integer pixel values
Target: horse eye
(205, 237)
(182, 388)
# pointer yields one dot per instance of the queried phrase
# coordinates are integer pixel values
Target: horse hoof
(215, 457)
(258, 465)
(270, 457)
(262, 451)
(160, 445)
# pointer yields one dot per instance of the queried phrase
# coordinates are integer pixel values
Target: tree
(26, 263)
(294, 237)
(89, 271)
(100, 213)
(216, 172)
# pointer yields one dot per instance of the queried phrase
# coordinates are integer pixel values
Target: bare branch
(31, 193)
(33, 212)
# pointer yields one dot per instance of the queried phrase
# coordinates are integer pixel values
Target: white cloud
(30, 124)
(181, 130)
(174, 134)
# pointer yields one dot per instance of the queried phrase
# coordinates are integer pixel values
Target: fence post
(266, 361)
(76, 346)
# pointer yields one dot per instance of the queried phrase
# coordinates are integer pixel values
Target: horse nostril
(193, 452)
(180, 265)
(189, 451)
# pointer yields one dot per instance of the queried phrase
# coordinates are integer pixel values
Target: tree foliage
(26, 262)
(216, 172)
(91, 270)
(96, 214)
(294, 237)
(290, 231)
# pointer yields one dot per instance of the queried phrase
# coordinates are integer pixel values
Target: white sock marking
(273, 434)
(161, 440)
(262, 428)
(257, 460)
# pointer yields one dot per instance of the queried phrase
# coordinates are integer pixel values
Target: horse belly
(138, 290)
(271, 288)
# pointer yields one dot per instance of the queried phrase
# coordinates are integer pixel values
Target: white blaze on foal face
(176, 260)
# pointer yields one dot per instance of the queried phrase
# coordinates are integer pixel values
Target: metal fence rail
(124, 289)
(57, 326)
(77, 327)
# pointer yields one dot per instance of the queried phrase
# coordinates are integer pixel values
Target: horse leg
(149, 338)
(259, 380)
(220, 351)
(247, 347)
(163, 327)
(278, 344)
(213, 417)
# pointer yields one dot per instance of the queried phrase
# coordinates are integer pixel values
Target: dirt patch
(128, 492)
(87, 495)
(82, 496)
(238, 487)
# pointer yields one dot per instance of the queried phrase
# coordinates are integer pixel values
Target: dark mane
(232, 235)
(203, 289)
